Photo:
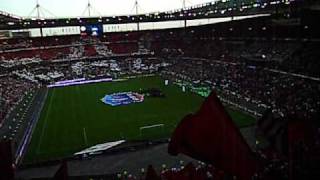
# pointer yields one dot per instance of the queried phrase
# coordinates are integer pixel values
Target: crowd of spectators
(234, 73)
(304, 61)
(269, 51)
(14, 84)
(254, 75)
(289, 95)
(198, 170)
(12, 91)
(225, 65)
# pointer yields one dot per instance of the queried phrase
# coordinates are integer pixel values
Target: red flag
(273, 128)
(6, 161)
(212, 137)
(62, 173)
(301, 150)
(300, 131)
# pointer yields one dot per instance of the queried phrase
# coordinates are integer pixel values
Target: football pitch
(74, 117)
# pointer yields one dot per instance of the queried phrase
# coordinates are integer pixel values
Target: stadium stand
(265, 66)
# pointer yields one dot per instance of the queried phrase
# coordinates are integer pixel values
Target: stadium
(180, 89)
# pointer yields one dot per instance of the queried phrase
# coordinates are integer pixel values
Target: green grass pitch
(69, 110)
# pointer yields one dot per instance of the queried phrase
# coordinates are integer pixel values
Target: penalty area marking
(149, 127)
(152, 126)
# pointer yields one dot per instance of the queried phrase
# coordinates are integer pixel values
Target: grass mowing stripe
(45, 121)
(73, 108)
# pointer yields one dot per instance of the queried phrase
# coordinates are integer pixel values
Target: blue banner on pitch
(123, 98)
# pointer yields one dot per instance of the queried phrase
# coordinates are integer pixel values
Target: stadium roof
(75, 8)
(6, 17)
(215, 9)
